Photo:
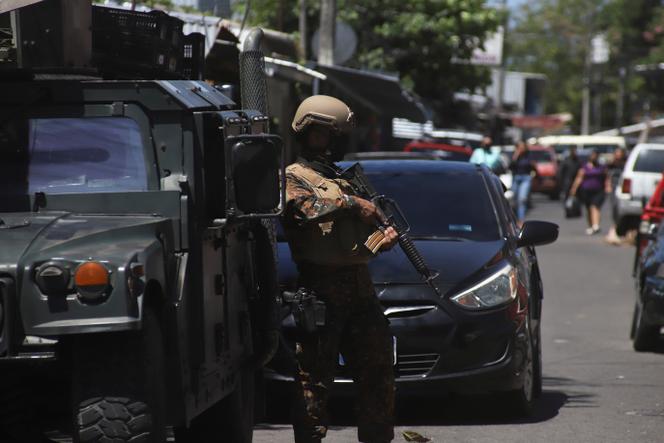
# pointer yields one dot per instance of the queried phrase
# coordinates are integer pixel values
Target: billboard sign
(492, 54)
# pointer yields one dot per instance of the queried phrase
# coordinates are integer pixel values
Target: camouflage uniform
(355, 324)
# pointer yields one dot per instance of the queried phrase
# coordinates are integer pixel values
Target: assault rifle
(391, 215)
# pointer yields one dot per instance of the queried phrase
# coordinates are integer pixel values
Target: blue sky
(510, 3)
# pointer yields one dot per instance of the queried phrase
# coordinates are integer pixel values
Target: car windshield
(71, 156)
(540, 156)
(444, 205)
(601, 149)
(650, 160)
(560, 148)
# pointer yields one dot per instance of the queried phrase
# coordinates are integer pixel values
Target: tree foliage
(424, 41)
(553, 37)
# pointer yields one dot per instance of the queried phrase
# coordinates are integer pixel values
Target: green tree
(422, 40)
(553, 36)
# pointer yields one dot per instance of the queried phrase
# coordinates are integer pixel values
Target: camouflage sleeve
(304, 205)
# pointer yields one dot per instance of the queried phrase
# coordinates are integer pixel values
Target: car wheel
(644, 336)
(521, 401)
(119, 385)
(623, 225)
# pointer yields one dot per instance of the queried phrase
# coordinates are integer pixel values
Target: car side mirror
(255, 176)
(537, 233)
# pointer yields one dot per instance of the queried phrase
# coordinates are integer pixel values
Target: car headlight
(92, 281)
(496, 290)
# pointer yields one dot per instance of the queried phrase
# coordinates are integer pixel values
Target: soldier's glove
(391, 238)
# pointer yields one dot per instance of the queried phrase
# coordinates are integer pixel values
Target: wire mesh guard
(254, 85)
(145, 41)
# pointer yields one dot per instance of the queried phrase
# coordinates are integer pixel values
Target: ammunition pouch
(308, 311)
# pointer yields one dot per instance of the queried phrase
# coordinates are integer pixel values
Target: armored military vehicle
(136, 264)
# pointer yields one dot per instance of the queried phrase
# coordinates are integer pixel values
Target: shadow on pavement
(461, 410)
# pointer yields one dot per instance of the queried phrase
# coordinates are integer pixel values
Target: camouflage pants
(356, 328)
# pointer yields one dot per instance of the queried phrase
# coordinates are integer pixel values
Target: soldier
(326, 226)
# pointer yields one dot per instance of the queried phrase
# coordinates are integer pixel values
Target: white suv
(643, 170)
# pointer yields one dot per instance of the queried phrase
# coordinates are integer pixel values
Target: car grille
(415, 365)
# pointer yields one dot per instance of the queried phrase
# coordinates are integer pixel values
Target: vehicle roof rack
(77, 37)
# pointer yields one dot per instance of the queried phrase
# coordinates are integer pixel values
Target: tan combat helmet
(323, 110)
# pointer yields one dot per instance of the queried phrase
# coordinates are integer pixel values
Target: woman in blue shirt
(522, 167)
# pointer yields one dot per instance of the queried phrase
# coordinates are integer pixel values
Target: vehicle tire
(644, 336)
(622, 226)
(118, 385)
(229, 421)
(521, 401)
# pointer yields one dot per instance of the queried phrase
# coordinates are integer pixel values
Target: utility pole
(498, 134)
(501, 68)
(304, 38)
(620, 103)
(280, 15)
(328, 16)
(587, 73)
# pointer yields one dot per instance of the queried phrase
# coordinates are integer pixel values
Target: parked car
(456, 137)
(450, 152)
(652, 217)
(640, 176)
(483, 334)
(546, 181)
(397, 155)
(648, 316)
(603, 144)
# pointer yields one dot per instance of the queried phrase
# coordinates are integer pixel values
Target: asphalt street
(596, 388)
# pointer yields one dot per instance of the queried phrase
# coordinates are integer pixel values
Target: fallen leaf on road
(414, 436)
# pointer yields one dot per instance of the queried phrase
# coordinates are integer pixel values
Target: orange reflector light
(91, 275)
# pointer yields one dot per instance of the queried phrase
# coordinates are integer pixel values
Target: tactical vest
(335, 240)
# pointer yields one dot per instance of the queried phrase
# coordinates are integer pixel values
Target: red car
(445, 150)
(546, 181)
(653, 214)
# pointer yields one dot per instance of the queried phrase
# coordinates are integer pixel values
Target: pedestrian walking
(615, 169)
(569, 167)
(326, 225)
(592, 183)
(487, 155)
(523, 168)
